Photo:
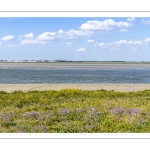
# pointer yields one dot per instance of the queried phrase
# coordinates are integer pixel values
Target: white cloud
(81, 50)
(145, 21)
(48, 36)
(131, 19)
(29, 35)
(0, 43)
(7, 38)
(32, 41)
(123, 30)
(121, 44)
(147, 40)
(124, 42)
(85, 30)
(73, 33)
(90, 41)
(41, 39)
(69, 43)
(103, 45)
(51, 36)
(105, 25)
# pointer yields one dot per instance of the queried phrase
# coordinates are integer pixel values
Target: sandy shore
(42, 87)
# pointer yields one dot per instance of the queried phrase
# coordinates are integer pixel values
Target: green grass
(75, 111)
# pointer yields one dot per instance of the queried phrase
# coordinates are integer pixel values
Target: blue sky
(96, 39)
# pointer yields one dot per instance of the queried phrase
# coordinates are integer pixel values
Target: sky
(76, 39)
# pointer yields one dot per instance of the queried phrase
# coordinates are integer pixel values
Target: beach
(42, 87)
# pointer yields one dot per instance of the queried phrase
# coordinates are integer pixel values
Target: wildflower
(64, 111)
(79, 110)
(88, 127)
(130, 111)
(31, 114)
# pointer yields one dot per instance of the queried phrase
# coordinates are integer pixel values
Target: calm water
(24, 76)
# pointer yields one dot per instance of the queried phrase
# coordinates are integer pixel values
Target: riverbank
(42, 87)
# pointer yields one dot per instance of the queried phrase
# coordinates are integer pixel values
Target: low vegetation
(75, 111)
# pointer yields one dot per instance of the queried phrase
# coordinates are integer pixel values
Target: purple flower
(64, 111)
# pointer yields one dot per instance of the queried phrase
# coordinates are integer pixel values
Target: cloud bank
(106, 25)
(86, 29)
(123, 44)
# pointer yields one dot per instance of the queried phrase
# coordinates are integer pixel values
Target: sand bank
(42, 87)
(70, 66)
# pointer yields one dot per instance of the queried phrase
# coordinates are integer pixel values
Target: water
(68, 76)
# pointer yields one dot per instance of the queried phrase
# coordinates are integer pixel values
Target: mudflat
(73, 66)
(42, 87)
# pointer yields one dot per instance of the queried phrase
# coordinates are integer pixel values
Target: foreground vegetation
(73, 110)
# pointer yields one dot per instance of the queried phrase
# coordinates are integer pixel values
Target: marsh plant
(75, 111)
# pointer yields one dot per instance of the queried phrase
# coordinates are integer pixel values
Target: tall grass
(75, 111)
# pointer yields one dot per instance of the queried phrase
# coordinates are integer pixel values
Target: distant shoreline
(79, 62)
(42, 87)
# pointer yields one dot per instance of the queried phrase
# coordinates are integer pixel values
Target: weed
(75, 111)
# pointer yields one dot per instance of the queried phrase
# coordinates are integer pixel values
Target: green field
(75, 111)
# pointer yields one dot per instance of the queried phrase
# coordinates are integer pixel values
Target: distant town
(52, 61)
(55, 61)
(28, 60)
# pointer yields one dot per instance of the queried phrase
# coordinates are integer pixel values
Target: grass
(75, 111)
